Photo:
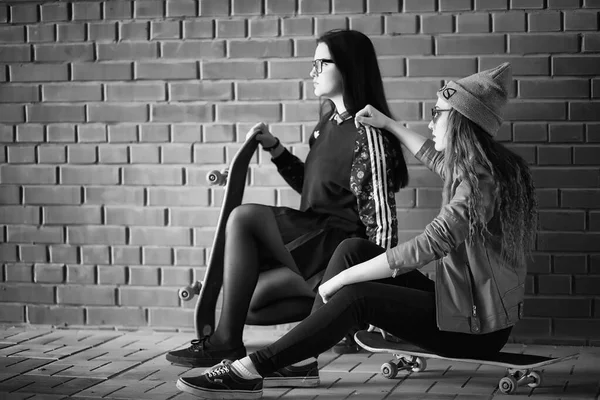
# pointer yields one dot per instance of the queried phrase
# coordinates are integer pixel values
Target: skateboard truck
(518, 377)
(217, 178)
(187, 293)
(403, 362)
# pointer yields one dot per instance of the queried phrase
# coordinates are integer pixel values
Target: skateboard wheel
(508, 385)
(389, 370)
(420, 365)
(186, 293)
(217, 178)
(536, 379)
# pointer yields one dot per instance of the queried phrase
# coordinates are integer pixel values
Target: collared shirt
(339, 118)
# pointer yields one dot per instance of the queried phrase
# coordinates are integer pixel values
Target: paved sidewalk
(41, 363)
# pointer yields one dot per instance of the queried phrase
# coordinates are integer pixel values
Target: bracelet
(277, 142)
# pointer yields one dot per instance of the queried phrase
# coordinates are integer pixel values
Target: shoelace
(219, 370)
(198, 344)
(217, 366)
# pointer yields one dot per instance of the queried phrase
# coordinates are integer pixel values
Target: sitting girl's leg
(352, 252)
(251, 228)
(383, 305)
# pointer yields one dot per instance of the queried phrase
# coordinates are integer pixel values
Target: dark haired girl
(347, 186)
(480, 238)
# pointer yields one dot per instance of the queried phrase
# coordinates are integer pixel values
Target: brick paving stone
(85, 369)
(158, 341)
(53, 352)
(46, 384)
(81, 338)
(162, 391)
(67, 387)
(331, 393)
(145, 390)
(274, 393)
(172, 374)
(414, 385)
(105, 388)
(127, 354)
(343, 364)
(184, 396)
(299, 396)
(18, 335)
(352, 380)
(4, 376)
(20, 365)
(32, 396)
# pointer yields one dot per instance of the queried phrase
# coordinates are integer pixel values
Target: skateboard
(234, 179)
(521, 368)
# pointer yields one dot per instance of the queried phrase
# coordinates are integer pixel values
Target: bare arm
(369, 115)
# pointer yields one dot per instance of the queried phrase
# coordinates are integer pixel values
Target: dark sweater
(348, 173)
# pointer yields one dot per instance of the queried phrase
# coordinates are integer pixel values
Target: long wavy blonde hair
(470, 147)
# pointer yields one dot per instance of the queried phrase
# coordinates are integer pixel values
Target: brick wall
(112, 113)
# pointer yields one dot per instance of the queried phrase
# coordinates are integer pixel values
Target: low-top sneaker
(294, 376)
(202, 353)
(221, 382)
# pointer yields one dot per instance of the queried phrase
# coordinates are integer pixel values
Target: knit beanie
(481, 96)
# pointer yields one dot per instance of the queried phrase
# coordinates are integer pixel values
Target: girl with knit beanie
(479, 242)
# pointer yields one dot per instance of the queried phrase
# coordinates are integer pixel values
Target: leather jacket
(476, 290)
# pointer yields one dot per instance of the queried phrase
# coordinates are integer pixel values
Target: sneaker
(220, 382)
(346, 346)
(200, 354)
(294, 376)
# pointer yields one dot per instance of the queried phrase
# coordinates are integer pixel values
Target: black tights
(281, 295)
(403, 306)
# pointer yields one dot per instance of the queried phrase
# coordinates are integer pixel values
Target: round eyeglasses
(318, 64)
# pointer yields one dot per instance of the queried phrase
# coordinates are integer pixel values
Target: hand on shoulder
(370, 116)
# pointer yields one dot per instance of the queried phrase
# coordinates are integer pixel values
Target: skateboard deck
(521, 367)
(236, 177)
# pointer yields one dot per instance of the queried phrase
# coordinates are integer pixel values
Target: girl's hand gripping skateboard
(261, 134)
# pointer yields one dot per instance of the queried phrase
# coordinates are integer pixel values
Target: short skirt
(311, 239)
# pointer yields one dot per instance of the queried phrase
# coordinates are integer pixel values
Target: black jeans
(403, 306)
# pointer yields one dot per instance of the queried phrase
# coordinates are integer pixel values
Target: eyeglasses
(435, 113)
(318, 64)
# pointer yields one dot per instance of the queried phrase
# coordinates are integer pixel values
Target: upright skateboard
(520, 367)
(234, 179)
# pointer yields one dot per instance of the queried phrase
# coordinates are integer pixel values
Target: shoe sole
(310, 381)
(219, 394)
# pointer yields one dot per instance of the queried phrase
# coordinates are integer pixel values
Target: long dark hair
(470, 147)
(355, 58)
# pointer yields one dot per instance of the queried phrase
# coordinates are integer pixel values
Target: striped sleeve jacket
(371, 181)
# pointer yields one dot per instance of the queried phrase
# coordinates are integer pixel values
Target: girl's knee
(245, 215)
(350, 293)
